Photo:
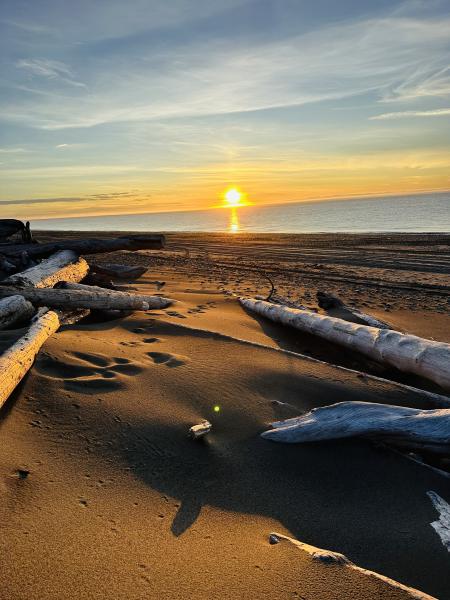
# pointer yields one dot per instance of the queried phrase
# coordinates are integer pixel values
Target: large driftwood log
(87, 246)
(17, 360)
(14, 309)
(153, 301)
(119, 271)
(409, 353)
(92, 299)
(327, 301)
(61, 266)
(407, 427)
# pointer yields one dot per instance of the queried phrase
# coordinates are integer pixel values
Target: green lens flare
(216, 409)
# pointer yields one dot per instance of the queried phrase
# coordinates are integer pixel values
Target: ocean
(413, 213)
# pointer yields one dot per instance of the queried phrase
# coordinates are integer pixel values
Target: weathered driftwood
(327, 301)
(17, 360)
(87, 246)
(64, 265)
(409, 353)
(14, 309)
(407, 427)
(119, 271)
(92, 299)
(153, 301)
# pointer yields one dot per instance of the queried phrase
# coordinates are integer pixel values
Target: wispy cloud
(407, 114)
(51, 69)
(13, 150)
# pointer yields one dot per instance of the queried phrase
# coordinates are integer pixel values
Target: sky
(111, 107)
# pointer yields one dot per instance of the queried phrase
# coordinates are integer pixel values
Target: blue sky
(119, 107)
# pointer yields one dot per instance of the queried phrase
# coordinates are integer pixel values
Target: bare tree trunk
(61, 266)
(87, 246)
(18, 359)
(153, 301)
(407, 427)
(92, 299)
(409, 353)
(14, 309)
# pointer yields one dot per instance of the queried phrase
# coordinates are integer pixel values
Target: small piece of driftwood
(13, 310)
(92, 299)
(409, 353)
(87, 246)
(64, 265)
(118, 271)
(17, 360)
(329, 301)
(411, 428)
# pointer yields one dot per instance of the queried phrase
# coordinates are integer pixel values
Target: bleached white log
(152, 301)
(64, 265)
(408, 353)
(442, 525)
(337, 560)
(92, 299)
(18, 358)
(413, 427)
(14, 309)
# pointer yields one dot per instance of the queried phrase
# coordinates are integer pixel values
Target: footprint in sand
(169, 360)
(88, 373)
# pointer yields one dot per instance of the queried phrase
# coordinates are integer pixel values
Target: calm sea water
(415, 213)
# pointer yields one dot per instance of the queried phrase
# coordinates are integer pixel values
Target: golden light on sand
(233, 197)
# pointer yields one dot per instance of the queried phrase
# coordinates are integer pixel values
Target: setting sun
(233, 197)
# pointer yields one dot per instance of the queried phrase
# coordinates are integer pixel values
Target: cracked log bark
(18, 359)
(410, 428)
(87, 246)
(92, 299)
(14, 309)
(408, 353)
(64, 265)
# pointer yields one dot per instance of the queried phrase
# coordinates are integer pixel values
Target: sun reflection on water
(233, 226)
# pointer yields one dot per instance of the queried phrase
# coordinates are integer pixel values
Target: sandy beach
(105, 496)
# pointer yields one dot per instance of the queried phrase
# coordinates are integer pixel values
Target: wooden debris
(200, 430)
(64, 265)
(92, 299)
(153, 301)
(87, 246)
(329, 301)
(9, 227)
(17, 360)
(118, 271)
(13, 310)
(409, 353)
(412, 428)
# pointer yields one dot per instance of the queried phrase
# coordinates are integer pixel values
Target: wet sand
(105, 496)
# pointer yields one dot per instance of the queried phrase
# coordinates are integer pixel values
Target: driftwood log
(329, 301)
(118, 271)
(151, 300)
(410, 428)
(86, 246)
(9, 227)
(408, 353)
(13, 310)
(18, 359)
(64, 265)
(92, 299)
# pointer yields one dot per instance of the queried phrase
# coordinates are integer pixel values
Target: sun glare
(233, 197)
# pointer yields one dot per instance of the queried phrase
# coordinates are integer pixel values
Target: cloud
(406, 114)
(13, 150)
(392, 58)
(50, 69)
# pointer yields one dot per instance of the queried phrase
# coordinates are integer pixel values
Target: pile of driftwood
(35, 278)
(410, 428)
